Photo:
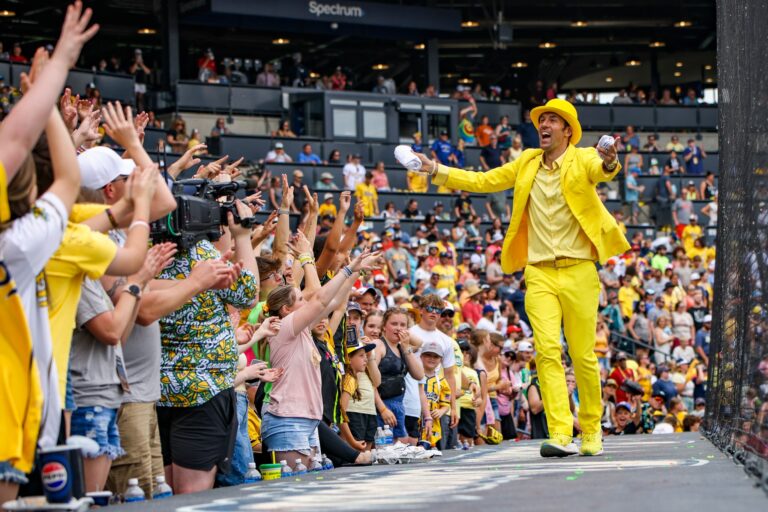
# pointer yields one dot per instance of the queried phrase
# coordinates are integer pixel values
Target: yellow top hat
(565, 110)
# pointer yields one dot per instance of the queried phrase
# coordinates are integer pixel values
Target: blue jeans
(11, 475)
(395, 404)
(242, 453)
(100, 424)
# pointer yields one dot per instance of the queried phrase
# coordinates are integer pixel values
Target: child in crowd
(437, 390)
(470, 395)
(357, 356)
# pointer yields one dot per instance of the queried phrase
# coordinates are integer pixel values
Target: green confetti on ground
(298, 480)
(710, 456)
(609, 458)
(519, 467)
(579, 472)
(571, 478)
(320, 478)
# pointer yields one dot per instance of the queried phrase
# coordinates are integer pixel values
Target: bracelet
(613, 165)
(347, 271)
(111, 218)
(283, 211)
(434, 168)
(307, 262)
(139, 223)
(427, 419)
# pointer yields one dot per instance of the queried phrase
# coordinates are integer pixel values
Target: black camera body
(201, 210)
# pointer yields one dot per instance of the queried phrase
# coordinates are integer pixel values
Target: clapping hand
(158, 257)
(118, 124)
(74, 34)
(38, 62)
(268, 328)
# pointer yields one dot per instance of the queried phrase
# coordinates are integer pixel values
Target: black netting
(737, 411)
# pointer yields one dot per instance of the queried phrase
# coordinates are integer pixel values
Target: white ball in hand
(407, 158)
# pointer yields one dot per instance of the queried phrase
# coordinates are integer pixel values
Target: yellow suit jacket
(581, 171)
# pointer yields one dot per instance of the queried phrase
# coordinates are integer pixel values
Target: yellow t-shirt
(465, 400)
(327, 209)
(367, 195)
(438, 395)
(363, 384)
(448, 278)
(690, 233)
(21, 398)
(627, 298)
(83, 252)
(417, 182)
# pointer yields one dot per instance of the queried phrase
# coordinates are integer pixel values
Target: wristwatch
(134, 290)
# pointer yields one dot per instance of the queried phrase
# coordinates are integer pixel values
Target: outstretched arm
(495, 180)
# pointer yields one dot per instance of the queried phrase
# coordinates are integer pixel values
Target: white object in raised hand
(606, 141)
(405, 155)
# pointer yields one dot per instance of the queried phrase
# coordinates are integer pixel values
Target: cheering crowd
(267, 344)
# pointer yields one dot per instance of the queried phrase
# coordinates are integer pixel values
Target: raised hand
(232, 169)
(298, 244)
(88, 131)
(212, 169)
(609, 155)
(255, 202)
(268, 328)
(143, 183)
(38, 63)
(345, 201)
(244, 333)
(238, 229)
(68, 110)
(262, 231)
(359, 213)
(84, 107)
(312, 202)
(140, 123)
(287, 194)
(118, 124)
(186, 161)
(74, 34)
(212, 274)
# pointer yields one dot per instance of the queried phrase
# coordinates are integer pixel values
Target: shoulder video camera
(202, 207)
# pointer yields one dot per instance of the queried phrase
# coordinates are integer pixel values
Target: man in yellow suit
(559, 228)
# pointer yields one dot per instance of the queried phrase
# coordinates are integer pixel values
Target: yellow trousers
(565, 296)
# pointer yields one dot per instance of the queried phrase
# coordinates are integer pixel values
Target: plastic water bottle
(316, 464)
(285, 470)
(162, 489)
(379, 438)
(299, 468)
(389, 438)
(133, 493)
(327, 464)
(465, 446)
(253, 475)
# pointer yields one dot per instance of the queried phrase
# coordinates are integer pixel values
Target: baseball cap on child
(432, 347)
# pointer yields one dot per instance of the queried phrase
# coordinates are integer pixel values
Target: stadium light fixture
(147, 31)
(312, 74)
(547, 45)
(5, 13)
(632, 63)
(679, 64)
(609, 79)
(281, 41)
(579, 24)
(420, 46)
(519, 64)
(710, 80)
(708, 67)
(683, 23)
(657, 44)
(470, 24)
(380, 67)
(678, 74)
(465, 81)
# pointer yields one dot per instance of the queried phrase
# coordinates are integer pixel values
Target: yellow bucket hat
(565, 110)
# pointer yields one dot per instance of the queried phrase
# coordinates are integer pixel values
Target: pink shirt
(380, 180)
(297, 394)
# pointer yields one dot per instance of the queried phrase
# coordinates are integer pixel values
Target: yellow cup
(270, 471)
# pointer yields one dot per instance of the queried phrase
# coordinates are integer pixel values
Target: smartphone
(254, 382)
(351, 340)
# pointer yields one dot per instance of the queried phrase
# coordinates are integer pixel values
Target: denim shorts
(495, 407)
(100, 424)
(69, 396)
(395, 404)
(289, 434)
(11, 475)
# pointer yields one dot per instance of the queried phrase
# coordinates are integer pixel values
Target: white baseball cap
(100, 166)
(524, 346)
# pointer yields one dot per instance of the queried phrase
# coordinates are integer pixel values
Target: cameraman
(197, 407)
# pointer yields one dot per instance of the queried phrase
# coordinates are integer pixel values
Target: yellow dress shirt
(553, 231)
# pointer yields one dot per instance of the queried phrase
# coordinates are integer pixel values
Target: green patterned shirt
(199, 351)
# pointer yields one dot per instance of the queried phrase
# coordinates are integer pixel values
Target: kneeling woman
(294, 407)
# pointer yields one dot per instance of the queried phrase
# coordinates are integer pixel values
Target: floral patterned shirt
(199, 351)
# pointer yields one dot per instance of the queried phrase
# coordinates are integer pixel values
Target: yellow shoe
(591, 444)
(558, 445)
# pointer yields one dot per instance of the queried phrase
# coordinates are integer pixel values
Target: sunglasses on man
(433, 309)
(447, 313)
